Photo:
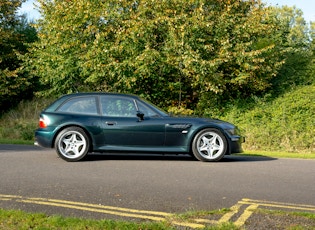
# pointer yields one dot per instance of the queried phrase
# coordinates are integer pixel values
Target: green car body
(77, 124)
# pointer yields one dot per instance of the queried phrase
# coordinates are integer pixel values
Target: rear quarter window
(79, 105)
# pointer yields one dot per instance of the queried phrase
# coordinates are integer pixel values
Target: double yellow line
(124, 212)
(247, 205)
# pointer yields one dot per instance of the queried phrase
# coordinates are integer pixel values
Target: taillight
(42, 123)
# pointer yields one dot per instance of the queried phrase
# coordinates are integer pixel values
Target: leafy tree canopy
(296, 41)
(192, 53)
(15, 32)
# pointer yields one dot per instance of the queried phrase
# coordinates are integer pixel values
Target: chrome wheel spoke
(216, 144)
(210, 145)
(67, 145)
(205, 144)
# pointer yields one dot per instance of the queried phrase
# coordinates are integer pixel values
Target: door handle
(110, 123)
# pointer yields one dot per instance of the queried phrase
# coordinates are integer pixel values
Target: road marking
(302, 207)
(246, 214)
(100, 206)
(247, 205)
(226, 217)
(9, 196)
(124, 212)
(254, 204)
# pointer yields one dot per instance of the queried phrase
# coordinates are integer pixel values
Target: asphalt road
(30, 175)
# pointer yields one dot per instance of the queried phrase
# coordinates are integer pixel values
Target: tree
(9, 38)
(15, 32)
(311, 70)
(295, 46)
(173, 52)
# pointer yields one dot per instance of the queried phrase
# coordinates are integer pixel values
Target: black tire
(209, 145)
(72, 144)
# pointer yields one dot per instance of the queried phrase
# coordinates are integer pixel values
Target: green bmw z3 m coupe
(77, 124)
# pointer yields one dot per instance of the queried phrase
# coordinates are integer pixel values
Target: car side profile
(77, 124)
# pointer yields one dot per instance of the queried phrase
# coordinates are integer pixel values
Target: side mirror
(140, 116)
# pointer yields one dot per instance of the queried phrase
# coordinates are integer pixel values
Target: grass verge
(275, 154)
(16, 142)
(16, 219)
(13, 219)
(261, 218)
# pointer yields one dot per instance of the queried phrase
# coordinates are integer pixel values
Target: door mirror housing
(140, 115)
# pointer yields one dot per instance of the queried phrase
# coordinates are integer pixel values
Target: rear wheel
(72, 144)
(209, 145)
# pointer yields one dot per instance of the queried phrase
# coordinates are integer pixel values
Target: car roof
(99, 93)
(65, 97)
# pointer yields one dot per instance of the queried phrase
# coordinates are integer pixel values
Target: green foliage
(180, 111)
(20, 123)
(19, 129)
(15, 33)
(298, 53)
(284, 124)
(173, 53)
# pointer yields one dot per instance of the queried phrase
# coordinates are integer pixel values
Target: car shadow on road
(169, 157)
(242, 158)
(136, 156)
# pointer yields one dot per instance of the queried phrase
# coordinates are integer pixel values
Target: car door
(124, 130)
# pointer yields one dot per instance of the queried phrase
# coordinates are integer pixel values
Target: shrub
(286, 123)
(21, 122)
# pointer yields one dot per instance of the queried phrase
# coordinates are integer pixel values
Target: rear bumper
(43, 139)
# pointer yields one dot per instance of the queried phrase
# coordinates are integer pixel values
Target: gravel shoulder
(267, 219)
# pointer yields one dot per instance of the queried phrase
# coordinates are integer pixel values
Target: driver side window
(113, 106)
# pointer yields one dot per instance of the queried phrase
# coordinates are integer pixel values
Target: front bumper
(236, 144)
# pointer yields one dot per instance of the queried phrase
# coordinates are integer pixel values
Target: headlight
(233, 131)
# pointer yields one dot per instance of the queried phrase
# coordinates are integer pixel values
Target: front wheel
(209, 145)
(72, 144)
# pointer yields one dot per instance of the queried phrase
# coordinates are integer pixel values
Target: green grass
(16, 219)
(16, 142)
(275, 154)
(12, 219)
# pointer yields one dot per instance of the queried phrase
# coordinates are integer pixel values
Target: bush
(21, 122)
(286, 123)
